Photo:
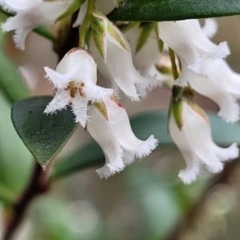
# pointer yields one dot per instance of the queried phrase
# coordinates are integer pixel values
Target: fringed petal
(122, 130)
(96, 93)
(60, 101)
(60, 81)
(80, 108)
(42, 13)
(192, 169)
(192, 45)
(100, 130)
(198, 133)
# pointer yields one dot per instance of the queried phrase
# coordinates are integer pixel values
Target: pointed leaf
(143, 124)
(44, 135)
(165, 10)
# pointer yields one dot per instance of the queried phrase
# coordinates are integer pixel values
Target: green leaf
(166, 10)
(11, 82)
(44, 135)
(143, 124)
(89, 155)
(15, 160)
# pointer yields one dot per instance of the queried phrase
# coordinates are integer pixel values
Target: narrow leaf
(11, 82)
(44, 135)
(166, 10)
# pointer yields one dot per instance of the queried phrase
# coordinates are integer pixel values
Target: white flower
(210, 27)
(18, 5)
(194, 140)
(75, 80)
(103, 6)
(36, 14)
(190, 43)
(111, 128)
(113, 56)
(146, 57)
(219, 83)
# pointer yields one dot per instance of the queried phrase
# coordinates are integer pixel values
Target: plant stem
(86, 23)
(37, 186)
(193, 213)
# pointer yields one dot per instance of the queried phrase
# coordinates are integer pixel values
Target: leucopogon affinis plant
(126, 53)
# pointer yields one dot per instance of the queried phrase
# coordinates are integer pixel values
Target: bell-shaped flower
(109, 125)
(217, 82)
(36, 14)
(113, 56)
(146, 48)
(190, 43)
(190, 129)
(75, 80)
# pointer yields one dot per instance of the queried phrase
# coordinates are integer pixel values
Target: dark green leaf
(168, 10)
(44, 135)
(143, 124)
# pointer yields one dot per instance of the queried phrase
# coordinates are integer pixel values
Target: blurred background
(145, 201)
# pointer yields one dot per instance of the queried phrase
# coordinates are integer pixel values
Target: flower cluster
(126, 55)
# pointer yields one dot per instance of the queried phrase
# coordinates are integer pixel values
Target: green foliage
(15, 159)
(167, 10)
(44, 135)
(11, 82)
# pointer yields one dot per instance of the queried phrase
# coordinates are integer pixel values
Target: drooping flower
(146, 49)
(219, 83)
(190, 43)
(33, 15)
(109, 125)
(190, 129)
(214, 78)
(113, 56)
(75, 79)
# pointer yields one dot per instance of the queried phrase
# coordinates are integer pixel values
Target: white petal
(209, 85)
(227, 154)
(223, 75)
(96, 93)
(100, 130)
(117, 68)
(80, 64)
(210, 27)
(19, 37)
(148, 55)
(60, 101)
(229, 109)
(198, 134)
(19, 5)
(122, 130)
(80, 108)
(192, 169)
(191, 44)
(43, 13)
(81, 15)
(60, 81)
